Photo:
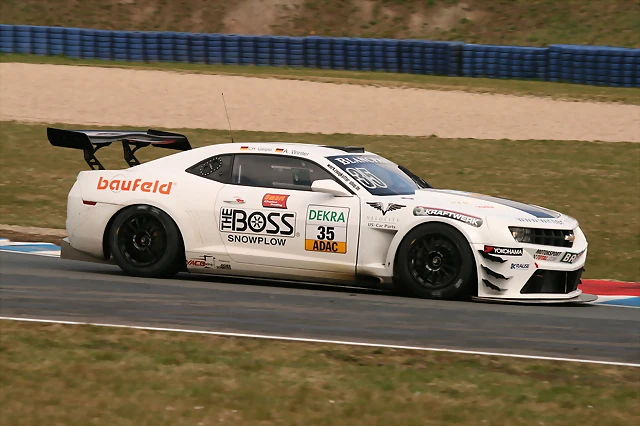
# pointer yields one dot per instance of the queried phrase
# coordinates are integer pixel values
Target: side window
(275, 171)
(216, 168)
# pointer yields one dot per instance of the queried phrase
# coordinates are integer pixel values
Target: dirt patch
(447, 18)
(364, 10)
(120, 97)
(259, 16)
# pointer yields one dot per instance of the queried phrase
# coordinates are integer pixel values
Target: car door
(269, 216)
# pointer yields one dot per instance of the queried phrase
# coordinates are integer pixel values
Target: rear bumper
(70, 253)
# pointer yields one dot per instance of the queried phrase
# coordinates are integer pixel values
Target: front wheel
(145, 242)
(435, 261)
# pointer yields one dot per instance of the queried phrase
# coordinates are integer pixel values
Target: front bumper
(531, 273)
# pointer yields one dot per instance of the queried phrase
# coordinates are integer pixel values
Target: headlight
(522, 235)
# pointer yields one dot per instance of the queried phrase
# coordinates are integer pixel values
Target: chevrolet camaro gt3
(311, 213)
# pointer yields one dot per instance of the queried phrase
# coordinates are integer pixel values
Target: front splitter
(582, 298)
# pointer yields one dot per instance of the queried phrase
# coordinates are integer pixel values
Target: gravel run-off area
(127, 97)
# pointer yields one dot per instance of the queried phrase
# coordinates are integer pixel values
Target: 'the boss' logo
(117, 185)
(257, 222)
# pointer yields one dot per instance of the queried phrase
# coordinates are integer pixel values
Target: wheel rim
(435, 261)
(142, 240)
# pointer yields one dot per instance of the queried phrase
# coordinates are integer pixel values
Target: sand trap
(121, 97)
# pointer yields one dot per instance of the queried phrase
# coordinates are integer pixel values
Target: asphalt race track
(51, 288)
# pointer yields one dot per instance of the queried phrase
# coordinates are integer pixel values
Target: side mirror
(329, 186)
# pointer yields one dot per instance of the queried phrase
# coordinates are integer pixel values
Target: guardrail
(594, 65)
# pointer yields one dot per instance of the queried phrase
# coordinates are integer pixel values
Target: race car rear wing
(90, 141)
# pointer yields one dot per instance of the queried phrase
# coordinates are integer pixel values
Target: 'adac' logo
(117, 185)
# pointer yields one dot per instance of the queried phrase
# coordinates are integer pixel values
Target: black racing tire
(145, 242)
(435, 261)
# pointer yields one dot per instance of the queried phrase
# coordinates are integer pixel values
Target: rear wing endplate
(90, 141)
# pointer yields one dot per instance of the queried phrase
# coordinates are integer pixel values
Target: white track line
(335, 342)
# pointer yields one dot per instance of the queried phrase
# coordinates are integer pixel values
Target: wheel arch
(392, 254)
(107, 230)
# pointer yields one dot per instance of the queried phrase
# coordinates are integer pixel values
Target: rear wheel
(435, 261)
(145, 242)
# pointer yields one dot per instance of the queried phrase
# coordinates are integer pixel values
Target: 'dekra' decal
(326, 229)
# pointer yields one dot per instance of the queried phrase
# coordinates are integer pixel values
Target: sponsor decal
(345, 177)
(379, 222)
(503, 251)
(253, 239)
(548, 255)
(199, 263)
(359, 159)
(389, 207)
(275, 201)
(205, 261)
(468, 203)
(326, 229)
(461, 217)
(104, 133)
(117, 185)
(540, 220)
(208, 261)
(572, 257)
(520, 266)
(257, 222)
(328, 214)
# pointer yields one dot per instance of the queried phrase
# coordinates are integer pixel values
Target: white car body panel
(366, 240)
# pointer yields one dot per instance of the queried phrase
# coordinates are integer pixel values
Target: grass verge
(595, 182)
(78, 375)
(564, 91)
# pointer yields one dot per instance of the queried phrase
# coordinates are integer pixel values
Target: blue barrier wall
(595, 65)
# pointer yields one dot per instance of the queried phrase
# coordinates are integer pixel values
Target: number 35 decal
(366, 178)
(326, 233)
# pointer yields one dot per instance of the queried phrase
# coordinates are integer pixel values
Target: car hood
(486, 206)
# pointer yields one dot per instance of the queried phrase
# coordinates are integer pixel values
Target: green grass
(519, 22)
(81, 375)
(575, 92)
(595, 182)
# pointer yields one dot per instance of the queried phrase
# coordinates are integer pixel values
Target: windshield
(378, 175)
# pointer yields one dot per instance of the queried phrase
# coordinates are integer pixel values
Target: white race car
(312, 213)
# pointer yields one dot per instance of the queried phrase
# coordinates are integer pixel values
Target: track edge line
(335, 342)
